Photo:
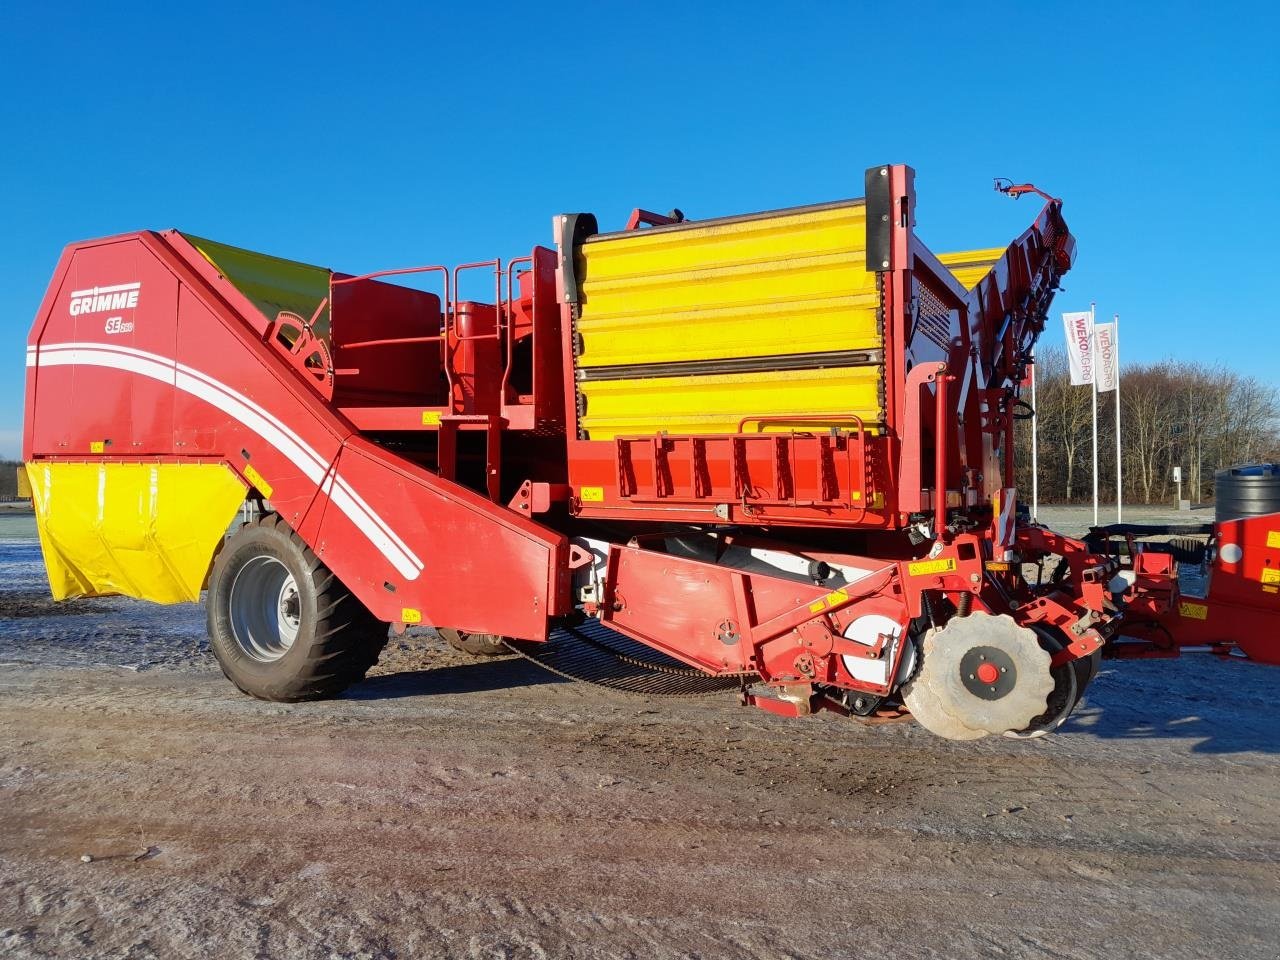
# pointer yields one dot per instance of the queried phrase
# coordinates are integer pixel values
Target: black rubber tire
(476, 644)
(338, 639)
(1086, 669)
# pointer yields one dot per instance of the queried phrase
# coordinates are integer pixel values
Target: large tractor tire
(476, 644)
(281, 626)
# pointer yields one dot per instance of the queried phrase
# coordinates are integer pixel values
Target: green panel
(271, 283)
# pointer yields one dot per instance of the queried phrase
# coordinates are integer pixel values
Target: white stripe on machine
(243, 410)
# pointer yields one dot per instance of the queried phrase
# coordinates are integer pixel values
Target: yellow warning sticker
(258, 480)
(1271, 589)
(925, 568)
(1273, 539)
(431, 418)
(999, 566)
(410, 615)
(1271, 575)
(97, 446)
(1193, 611)
(830, 600)
(591, 494)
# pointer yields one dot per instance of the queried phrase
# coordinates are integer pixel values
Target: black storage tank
(1248, 491)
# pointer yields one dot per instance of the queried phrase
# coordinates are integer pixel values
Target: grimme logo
(122, 296)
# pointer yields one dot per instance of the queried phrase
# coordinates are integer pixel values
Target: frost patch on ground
(97, 632)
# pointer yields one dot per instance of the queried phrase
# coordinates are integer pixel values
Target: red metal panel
(677, 606)
(382, 351)
(113, 296)
(911, 496)
(1243, 603)
(235, 401)
(790, 479)
(484, 568)
(1243, 574)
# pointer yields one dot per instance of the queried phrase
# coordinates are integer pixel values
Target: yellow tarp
(146, 530)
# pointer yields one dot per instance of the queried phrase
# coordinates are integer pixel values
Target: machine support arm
(911, 496)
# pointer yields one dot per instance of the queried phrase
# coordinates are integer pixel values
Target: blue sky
(423, 135)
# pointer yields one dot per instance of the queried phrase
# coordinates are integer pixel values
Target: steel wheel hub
(266, 609)
(988, 673)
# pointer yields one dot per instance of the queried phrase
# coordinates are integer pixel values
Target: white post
(1035, 456)
(1119, 466)
(1093, 353)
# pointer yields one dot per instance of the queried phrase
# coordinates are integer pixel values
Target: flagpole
(1093, 351)
(1035, 458)
(1115, 340)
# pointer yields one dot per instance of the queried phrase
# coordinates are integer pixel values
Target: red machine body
(198, 375)
(1224, 581)
(428, 449)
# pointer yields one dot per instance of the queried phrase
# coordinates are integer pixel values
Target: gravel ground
(451, 807)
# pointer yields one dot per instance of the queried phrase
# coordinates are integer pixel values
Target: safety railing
(358, 344)
(450, 334)
(506, 314)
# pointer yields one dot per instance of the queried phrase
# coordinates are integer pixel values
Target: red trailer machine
(769, 452)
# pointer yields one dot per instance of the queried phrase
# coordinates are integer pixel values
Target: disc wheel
(979, 674)
(476, 644)
(281, 625)
(1069, 681)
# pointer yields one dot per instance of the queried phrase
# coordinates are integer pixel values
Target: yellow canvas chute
(146, 530)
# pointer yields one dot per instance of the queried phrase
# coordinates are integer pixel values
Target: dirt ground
(452, 807)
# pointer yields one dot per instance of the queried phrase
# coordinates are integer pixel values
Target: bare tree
(1172, 414)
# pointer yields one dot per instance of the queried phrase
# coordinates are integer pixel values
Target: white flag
(1107, 356)
(1079, 328)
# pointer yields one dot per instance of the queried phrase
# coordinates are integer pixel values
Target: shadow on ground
(1227, 706)
(477, 677)
(1220, 707)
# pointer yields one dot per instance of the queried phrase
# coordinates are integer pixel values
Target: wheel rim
(266, 609)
